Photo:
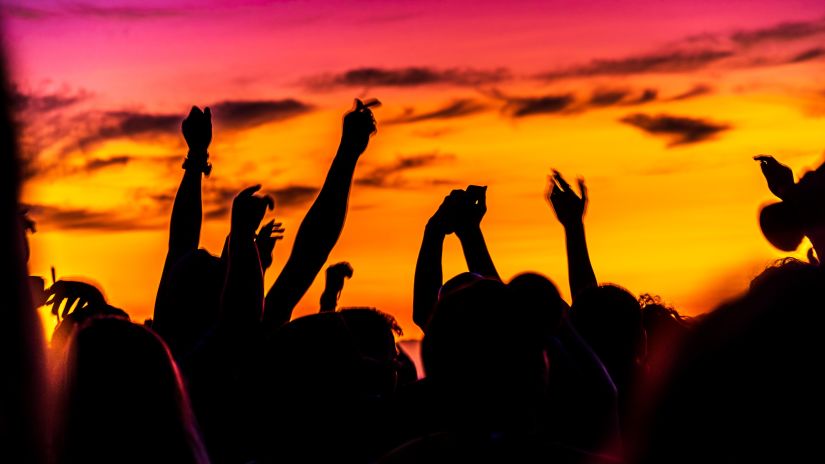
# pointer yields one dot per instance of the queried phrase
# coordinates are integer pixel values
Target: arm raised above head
(324, 221)
(569, 209)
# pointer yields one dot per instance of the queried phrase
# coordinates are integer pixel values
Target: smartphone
(476, 193)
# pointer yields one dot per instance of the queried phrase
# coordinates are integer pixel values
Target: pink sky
(754, 69)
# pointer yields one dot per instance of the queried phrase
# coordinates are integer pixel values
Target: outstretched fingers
(560, 180)
(583, 189)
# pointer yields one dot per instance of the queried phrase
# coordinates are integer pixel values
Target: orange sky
(659, 107)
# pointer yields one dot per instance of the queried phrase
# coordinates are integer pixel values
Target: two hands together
(461, 211)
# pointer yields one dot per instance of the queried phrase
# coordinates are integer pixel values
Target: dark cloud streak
(392, 175)
(126, 124)
(239, 114)
(293, 196)
(697, 91)
(101, 163)
(91, 11)
(406, 77)
(808, 55)
(519, 107)
(680, 130)
(52, 217)
(455, 109)
(782, 32)
(661, 62)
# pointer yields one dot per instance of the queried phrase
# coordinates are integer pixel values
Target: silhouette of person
(327, 381)
(745, 386)
(607, 317)
(461, 213)
(581, 408)
(216, 370)
(322, 225)
(187, 302)
(123, 399)
(23, 399)
(800, 213)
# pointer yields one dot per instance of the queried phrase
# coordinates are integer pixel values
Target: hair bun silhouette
(781, 226)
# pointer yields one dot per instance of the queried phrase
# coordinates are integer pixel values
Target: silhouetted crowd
(223, 373)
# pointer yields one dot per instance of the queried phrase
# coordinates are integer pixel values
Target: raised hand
(359, 125)
(337, 273)
(568, 206)
(197, 130)
(248, 211)
(779, 176)
(444, 219)
(70, 291)
(470, 209)
(270, 233)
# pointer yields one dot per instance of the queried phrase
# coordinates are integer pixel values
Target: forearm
(579, 267)
(428, 276)
(243, 293)
(314, 241)
(476, 253)
(329, 301)
(324, 221)
(184, 231)
(187, 214)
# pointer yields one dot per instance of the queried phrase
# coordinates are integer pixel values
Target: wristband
(198, 165)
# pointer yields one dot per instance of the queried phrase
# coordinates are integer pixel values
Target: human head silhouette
(609, 318)
(123, 399)
(781, 226)
(487, 355)
(535, 292)
(192, 297)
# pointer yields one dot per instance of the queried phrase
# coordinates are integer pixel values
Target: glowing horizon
(659, 106)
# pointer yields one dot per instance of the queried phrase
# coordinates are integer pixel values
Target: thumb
(249, 191)
(270, 201)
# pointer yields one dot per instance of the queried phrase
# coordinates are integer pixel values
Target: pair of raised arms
(461, 213)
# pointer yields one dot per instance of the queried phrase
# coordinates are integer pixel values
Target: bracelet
(198, 165)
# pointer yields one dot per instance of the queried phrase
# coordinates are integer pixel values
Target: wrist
(197, 161)
(468, 232)
(198, 153)
(241, 233)
(349, 145)
(574, 226)
(433, 229)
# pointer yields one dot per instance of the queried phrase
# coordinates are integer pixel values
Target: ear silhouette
(781, 226)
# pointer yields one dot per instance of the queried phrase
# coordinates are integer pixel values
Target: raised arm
(243, 292)
(322, 225)
(184, 228)
(428, 271)
(473, 206)
(569, 209)
(185, 225)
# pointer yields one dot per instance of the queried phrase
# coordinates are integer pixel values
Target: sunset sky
(659, 105)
